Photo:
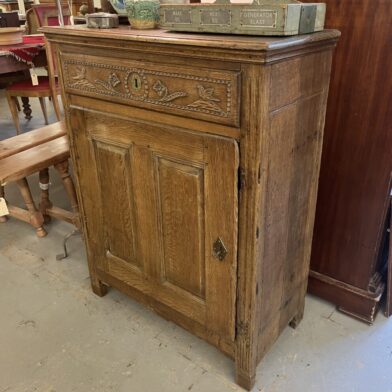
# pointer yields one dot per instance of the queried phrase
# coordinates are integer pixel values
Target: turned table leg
(4, 218)
(36, 218)
(44, 203)
(63, 169)
(26, 108)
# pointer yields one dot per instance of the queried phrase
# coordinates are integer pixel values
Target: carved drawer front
(198, 93)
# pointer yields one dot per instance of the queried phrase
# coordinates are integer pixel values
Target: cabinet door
(164, 214)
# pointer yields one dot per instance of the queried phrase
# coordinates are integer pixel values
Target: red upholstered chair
(44, 15)
(48, 87)
(47, 15)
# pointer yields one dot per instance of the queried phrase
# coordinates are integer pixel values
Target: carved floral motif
(116, 83)
(163, 92)
(112, 82)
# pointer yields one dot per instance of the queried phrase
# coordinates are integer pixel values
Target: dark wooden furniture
(197, 160)
(356, 166)
(9, 64)
(32, 152)
(12, 70)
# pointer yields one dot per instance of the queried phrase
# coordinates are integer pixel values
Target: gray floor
(56, 335)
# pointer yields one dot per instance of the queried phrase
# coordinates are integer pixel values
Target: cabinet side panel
(293, 147)
(181, 197)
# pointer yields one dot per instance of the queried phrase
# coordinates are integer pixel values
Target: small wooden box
(273, 17)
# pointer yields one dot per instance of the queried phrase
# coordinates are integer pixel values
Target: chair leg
(43, 107)
(36, 218)
(26, 108)
(45, 202)
(4, 218)
(14, 112)
(17, 104)
(63, 169)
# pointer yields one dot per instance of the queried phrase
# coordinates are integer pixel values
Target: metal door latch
(219, 249)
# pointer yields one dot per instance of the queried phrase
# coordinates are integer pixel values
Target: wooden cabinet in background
(197, 160)
(353, 197)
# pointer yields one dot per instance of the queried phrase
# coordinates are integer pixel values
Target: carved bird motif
(80, 73)
(207, 93)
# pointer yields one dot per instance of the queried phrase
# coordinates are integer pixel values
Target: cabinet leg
(245, 359)
(44, 203)
(36, 218)
(299, 316)
(98, 287)
(245, 379)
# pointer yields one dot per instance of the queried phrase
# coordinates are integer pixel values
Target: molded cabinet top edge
(218, 41)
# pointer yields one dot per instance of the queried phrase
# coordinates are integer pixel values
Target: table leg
(2, 218)
(26, 108)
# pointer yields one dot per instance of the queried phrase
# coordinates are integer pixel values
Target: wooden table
(9, 64)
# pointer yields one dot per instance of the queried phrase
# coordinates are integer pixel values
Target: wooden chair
(32, 152)
(48, 87)
(40, 15)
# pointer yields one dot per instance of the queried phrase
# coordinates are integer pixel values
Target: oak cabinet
(197, 163)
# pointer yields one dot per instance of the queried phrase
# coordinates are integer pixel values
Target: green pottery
(143, 14)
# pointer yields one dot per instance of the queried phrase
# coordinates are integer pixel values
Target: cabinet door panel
(114, 175)
(181, 194)
(163, 198)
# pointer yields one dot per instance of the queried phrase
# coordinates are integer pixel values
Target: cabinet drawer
(211, 95)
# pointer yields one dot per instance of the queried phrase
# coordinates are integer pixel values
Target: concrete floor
(56, 335)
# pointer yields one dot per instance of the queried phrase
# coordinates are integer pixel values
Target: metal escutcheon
(219, 249)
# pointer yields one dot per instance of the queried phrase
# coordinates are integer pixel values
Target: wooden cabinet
(197, 161)
(355, 177)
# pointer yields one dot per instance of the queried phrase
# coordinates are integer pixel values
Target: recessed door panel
(181, 196)
(115, 180)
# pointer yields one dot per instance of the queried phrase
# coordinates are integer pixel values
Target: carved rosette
(175, 90)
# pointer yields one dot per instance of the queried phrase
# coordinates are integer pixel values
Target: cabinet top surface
(125, 33)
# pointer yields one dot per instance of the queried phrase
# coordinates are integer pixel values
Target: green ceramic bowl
(143, 14)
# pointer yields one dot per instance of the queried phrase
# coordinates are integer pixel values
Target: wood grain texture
(356, 163)
(176, 218)
(14, 167)
(22, 156)
(181, 194)
(115, 177)
(31, 139)
(223, 212)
